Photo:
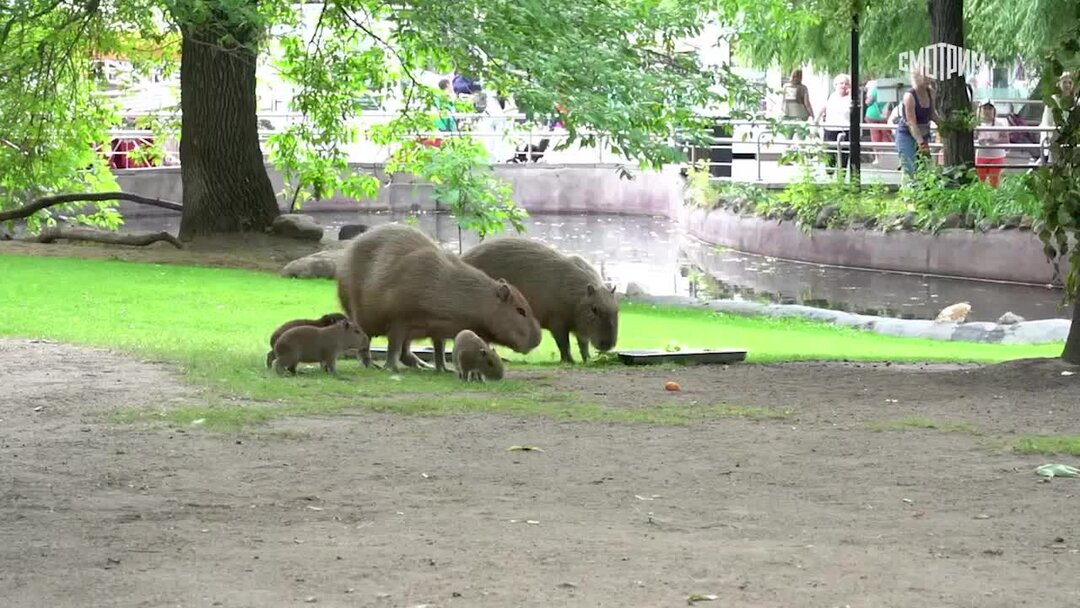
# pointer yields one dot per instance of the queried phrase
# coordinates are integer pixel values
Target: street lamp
(854, 149)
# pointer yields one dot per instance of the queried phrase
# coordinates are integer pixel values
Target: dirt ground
(363, 509)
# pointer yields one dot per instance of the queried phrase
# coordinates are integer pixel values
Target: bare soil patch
(363, 509)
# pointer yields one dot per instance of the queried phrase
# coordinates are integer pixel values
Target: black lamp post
(854, 147)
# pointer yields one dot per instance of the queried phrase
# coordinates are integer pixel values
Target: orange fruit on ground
(671, 386)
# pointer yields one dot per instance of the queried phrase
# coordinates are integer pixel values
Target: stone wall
(996, 255)
(539, 188)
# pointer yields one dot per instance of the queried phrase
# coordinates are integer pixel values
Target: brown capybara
(475, 359)
(363, 356)
(395, 281)
(311, 344)
(566, 294)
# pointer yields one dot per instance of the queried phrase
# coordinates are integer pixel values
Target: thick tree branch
(48, 201)
(140, 239)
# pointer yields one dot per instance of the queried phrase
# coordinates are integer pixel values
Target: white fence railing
(510, 138)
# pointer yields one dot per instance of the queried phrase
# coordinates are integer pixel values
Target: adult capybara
(395, 281)
(475, 359)
(323, 321)
(311, 344)
(565, 292)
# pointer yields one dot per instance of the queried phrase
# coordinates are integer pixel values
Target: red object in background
(120, 158)
(431, 142)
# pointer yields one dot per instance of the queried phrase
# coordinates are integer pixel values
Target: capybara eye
(521, 311)
(595, 311)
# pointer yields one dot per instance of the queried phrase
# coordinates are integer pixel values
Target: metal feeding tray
(721, 356)
(424, 353)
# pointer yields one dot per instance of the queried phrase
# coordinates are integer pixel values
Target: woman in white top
(836, 119)
(1067, 100)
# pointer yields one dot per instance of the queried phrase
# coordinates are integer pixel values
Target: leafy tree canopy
(613, 66)
(1002, 29)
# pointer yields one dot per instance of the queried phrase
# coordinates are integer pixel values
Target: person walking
(835, 117)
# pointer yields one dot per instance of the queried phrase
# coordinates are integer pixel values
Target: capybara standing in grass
(395, 281)
(475, 359)
(323, 321)
(311, 344)
(566, 294)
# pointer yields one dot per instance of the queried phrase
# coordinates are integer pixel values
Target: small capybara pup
(311, 344)
(395, 281)
(475, 359)
(566, 294)
(323, 321)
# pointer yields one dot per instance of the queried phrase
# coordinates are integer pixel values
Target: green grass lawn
(215, 323)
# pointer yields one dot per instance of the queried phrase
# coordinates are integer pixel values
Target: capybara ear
(503, 290)
(611, 287)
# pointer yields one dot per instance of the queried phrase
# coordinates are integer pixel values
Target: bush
(935, 201)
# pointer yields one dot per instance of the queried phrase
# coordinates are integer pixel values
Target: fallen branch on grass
(59, 199)
(140, 239)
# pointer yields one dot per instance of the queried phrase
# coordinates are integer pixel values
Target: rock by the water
(296, 226)
(908, 221)
(825, 216)
(1026, 223)
(953, 220)
(319, 265)
(1010, 319)
(984, 225)
(634, 290)
(955, 313)
(349, 231)
(1011, 222)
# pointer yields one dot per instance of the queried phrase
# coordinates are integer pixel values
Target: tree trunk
(953, 101)
(1072, 344)
(226, 187)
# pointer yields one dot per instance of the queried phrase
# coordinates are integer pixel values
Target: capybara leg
(364, 357)
(397, 339)
(583, 347)
(562, 340)
(270, 356)
(330, 365)
(440, 355)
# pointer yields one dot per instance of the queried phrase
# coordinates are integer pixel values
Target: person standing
(797, 98)
(986, 159)
(1066, 100)
(876, 113)
(836, 119)
(913, 128)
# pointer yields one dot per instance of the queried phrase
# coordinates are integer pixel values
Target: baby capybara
(566, 294)
(323, 321)
(475, 359)
(311, 344)
(395, 281)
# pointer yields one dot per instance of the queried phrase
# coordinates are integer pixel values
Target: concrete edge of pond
(1027, 332)
(1013, 256)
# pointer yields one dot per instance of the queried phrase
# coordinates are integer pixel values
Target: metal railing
(510, 138)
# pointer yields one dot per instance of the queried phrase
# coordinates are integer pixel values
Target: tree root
(140, 239)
